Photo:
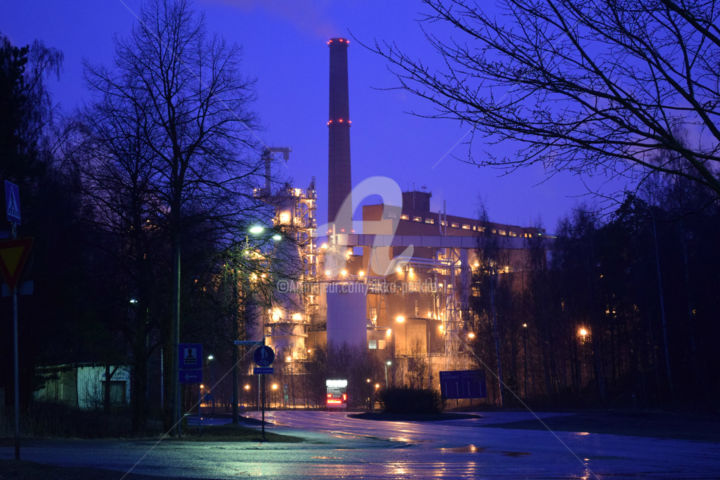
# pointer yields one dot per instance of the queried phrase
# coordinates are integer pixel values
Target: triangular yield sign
(13, 254)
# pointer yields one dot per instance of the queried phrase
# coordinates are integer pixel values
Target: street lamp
(387, 364)
(583, 332)
(211, 357)
(277, 237)
(256, 229)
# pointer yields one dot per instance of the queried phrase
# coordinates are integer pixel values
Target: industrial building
(397, 283)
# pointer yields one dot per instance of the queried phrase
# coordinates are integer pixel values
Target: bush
(411, 400)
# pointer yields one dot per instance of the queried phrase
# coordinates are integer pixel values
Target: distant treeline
(621, 311)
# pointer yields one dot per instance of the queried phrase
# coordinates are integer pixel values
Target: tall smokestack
(339, 174)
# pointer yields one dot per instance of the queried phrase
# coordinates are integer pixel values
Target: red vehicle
(336, 393)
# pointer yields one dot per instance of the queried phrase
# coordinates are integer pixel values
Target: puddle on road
(475, 449)
(515, 454)
(466, 449)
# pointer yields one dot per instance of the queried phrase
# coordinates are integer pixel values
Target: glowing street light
(133, 301)
(400, 319)
(256, 229)
(211, 357)
(277, 237)
(274, 386)
(583, 332)
(471, 335)
(387, 364)
(247, 387)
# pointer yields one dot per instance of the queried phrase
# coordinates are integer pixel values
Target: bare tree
(580, 86)
(194, 122)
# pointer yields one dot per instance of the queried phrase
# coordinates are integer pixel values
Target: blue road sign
(190, 376)
(263, 370)
(264, 356)
(190, 356)
(463, 384)
(12, 202)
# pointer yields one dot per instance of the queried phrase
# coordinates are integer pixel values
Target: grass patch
(412, 417)
(234, 433)
(679, 426)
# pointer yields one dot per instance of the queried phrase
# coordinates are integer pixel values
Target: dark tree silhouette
(579, 86)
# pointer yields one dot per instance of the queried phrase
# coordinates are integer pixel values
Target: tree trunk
(661, 298)
(496, 337)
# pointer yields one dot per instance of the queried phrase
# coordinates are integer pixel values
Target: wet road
(341, 447)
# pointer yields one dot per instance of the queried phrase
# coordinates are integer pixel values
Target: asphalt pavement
(338, 446)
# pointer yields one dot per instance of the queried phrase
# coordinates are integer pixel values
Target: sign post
(12, 210)
(264, 357)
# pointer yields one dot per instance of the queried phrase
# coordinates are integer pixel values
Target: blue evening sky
(284, 49)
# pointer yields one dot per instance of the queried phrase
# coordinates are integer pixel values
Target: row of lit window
(465, 226)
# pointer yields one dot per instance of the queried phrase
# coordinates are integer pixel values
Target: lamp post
(210, 389)
(525, 339)
(387, 364)
(255, 230)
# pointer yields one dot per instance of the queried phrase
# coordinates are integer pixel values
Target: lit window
(381, 344)
(466, 226)
(455, 225)
(404, 216)
(481, 229)
(431, 221)
(502, 232)
(474, 228)
(417, 219)
(494, 232)
(443, 223)
(372, 344)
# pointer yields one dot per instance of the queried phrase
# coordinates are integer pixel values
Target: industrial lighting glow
(343, 272)
(288, 358)
(388, 332)
(441, 328)
(324, 246)
(328, 273)
(133, 300)
(297, 317)
(524, 325)
(361, 273)
(246, 387)
(400, 319)
(583, 332)
(471, 335)
(398, 270)
(211, 357)
(388, 363)
(377, 386)
(277, 237)
(284, 218)
(367, 380)
(274, 386)
(256, 229)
